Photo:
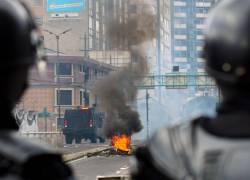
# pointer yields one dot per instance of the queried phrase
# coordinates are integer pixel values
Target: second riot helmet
(227, 42)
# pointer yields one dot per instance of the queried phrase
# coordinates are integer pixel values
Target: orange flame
(121, 143)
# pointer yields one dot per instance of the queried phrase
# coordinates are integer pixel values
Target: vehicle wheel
(78, 140)
(69, 139)
(93, 140)
(102, 140)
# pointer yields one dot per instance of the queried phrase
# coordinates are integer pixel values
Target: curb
(88, 153)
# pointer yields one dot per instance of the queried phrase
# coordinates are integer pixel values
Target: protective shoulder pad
(168, 148)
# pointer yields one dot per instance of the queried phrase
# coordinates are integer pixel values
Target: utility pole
(46, 123)
(85, 45)
(58, 94)
(158, 27)
(58, 79)
(147, 111)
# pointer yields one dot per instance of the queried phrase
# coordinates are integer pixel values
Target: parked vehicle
(82, 123)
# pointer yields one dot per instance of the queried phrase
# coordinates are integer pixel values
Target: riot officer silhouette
(211, 148)
(20, 49)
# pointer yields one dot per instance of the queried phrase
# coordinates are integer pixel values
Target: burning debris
(118, 91)
(121, 143)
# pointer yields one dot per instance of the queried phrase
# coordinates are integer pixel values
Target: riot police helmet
(227, 43)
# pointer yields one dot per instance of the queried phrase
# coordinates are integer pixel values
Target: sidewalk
(73, 152)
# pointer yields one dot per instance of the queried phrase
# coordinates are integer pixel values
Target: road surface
(90, 168)
(73, 148)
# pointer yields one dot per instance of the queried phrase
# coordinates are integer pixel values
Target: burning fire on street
(121, 143)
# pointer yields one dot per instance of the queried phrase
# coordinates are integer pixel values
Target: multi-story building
(187, 26)
(67, 85)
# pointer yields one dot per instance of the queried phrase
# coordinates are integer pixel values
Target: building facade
(187, 27)
(68, 84)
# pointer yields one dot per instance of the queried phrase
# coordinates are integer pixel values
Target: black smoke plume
(118, 91)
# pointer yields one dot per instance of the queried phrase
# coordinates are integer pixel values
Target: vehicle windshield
(117, 71)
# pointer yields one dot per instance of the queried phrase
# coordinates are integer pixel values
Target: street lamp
(57, 36)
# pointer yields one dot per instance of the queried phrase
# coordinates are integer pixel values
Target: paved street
(89, 168)
(72, 148)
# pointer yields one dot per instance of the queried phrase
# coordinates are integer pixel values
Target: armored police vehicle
(82, 123)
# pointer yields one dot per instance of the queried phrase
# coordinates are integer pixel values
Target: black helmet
(227, 42)
(19, 35)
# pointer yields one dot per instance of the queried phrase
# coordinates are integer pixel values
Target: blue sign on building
(57, 6)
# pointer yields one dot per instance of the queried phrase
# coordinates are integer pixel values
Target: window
(64, 97)
(199, 42)
(200, 37)
(179, 3)
(181, 37)
(180, 31)
(180, 42)
(180, 21)
(199, 48)
(91, 42)
(202, 10)
(80, 68)
(84, 98)
(180, 48)
(201, 15)
(176, 68)
(96, 73)
(180, 25)
(132, 9)
(180, 59)
(86, 71)
(180, 53)
(39, 20)
(203, 4)
(64, 69)
(181, 14)
(200, 26)
(37, 2)
(200, 60)
(180, 9)
(81, 97)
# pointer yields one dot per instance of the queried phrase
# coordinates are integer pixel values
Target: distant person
(211, 148)
(19, 50)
